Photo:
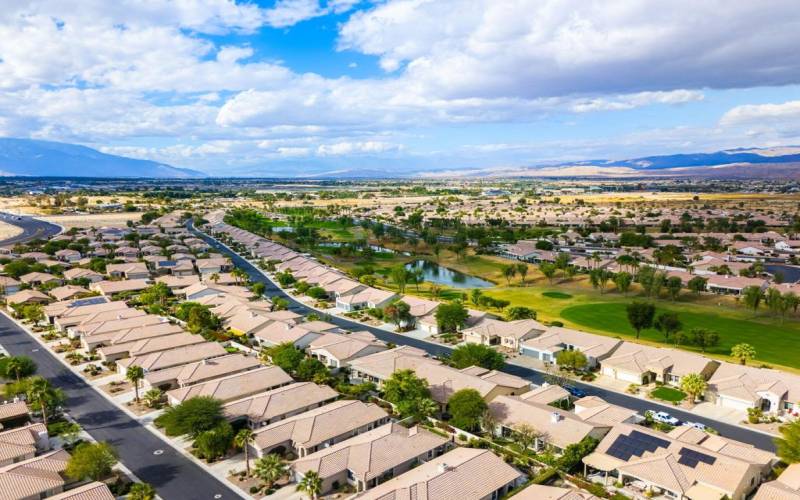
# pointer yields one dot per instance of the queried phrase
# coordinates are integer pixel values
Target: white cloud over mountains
(97, 72)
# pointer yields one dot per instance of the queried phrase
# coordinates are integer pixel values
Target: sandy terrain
(93, 220)
(8, 231)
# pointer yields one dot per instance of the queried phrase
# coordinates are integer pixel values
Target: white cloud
(348, 148)
(761, 113)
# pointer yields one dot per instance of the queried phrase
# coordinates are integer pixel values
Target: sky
(303, 87)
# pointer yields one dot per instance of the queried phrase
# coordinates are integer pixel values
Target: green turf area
(773, 342)
(668, 394)
(556, 295)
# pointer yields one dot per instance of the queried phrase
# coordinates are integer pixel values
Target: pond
(434, 273)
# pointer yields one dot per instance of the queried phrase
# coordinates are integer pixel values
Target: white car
(696, 425)
(664, 417)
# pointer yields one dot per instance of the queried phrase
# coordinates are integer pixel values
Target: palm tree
(134, 374)
(153, 397)
(269, 469)
(16, 365)
(311, 484)
(39, 390)
(214, 278)
(243, 440)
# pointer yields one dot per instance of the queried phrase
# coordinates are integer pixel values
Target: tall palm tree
(16, 366)
(243, 440)
(269, 469)
(311, 484)
(39, 390)
(134, 374)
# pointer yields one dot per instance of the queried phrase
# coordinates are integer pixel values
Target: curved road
(31, 229)
(742, 434)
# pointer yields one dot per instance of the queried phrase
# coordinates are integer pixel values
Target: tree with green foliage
(311, 369)
(141, 491)
(704, 338)
(574, 453)
(17, 367)
(694, 385)
(599, 279)
(668, 324)
(269, 469)
(286, 356)
(572, 360)
(134, 374)
(548, 270)
(674, 285)
(33, 313)
(451, 317)
(522, 270)
(153, 397)
(697, 284)
(310, 484)
(751, 296)
(242, 440)
(91, 461)
(515, 313)
(44, 396)
(193, 416)
(526, 435)
(743, 352)
(466, 408)
(258, 288)
(399, 313)
(400, 277)
(623, 281)
(788, 444)
(509, 271)
(470, 354)
(280, 304)
(475, 296)
(215, 442)
(406, 391)
(640, 315)
(157, 293)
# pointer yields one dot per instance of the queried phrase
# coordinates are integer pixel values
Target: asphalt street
(174, 476)
(31, 228)
(742, 434)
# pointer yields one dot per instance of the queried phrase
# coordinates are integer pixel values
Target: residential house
(542, 492)
(129, 271)
(67, 292)
(68, 255)
(785, 487)
(318, 427)
(38, 279)
(371, 458)
(23, 443)
(8, 285)
(201, 371)
(378, 367)
(13, 413)
(278, 404)
(557, 428)
(742, 387)
(337, 350)
(143, 347)
(90, 491)
(463, 473)
(554, 340)
(110, 288)
(301, 335)
(640, 364)
(170, 358)
(733, 285)
(37, 477)
(26, 297)
(234, 387)
(653, 463)
(367, 298)
(507, 334)
(77, 273)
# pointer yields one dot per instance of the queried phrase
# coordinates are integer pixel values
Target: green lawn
(774, 343)
(668, 394)
(556, 295)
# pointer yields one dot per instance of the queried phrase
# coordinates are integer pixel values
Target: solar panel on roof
(89, 301)
(635, 444)
(690, 458)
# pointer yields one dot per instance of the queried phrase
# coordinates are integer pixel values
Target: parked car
(664, 418)
(696, 425)
(575, 392)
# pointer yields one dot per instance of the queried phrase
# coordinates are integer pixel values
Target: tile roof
(235, 386)
(280, 401)
(33, 477)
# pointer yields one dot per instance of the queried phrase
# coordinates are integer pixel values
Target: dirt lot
(8, 230)
(93, 220)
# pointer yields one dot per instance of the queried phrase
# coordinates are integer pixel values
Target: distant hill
(28, 157)
(727, 157)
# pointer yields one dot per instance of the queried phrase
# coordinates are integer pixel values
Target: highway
(151, 459)
(32, 229)
(742, 434)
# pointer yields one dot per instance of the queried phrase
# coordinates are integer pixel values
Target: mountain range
(35, 158)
